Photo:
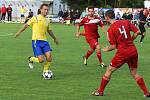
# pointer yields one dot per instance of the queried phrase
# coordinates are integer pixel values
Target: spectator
(0, 13)
(9, 13)
(65, 14)
(125, 16)
(148, 19)
(101, 14)
(22, 11)
(30, 15)
(142, 22)
(136, 15)
(83, 14)
(118, 16)
(3, 11)
(60, 14)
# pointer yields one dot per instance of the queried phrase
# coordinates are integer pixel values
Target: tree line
(81, 4)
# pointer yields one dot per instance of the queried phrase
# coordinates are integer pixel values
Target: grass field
(72, 80)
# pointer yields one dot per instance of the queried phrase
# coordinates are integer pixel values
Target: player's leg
(89, 52)
(132, 63)
(140, 81)
(47, 52)
(116, 63)
(87, 55)
(38, 59)
(143, 32)
(99, 55)
(104, 81)
(142, 37)
(47, 64)
(4, 16)
(38, 54)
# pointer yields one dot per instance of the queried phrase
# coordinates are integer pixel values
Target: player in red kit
(91, 23)
(120, 38)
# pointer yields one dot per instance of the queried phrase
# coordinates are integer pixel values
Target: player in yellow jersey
(41, 48)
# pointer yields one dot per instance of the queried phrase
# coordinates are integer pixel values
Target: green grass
(72, 80)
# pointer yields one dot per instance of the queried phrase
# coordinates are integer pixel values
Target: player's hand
(56, 41)
(77, 34)
(106, 49)
(16, 35)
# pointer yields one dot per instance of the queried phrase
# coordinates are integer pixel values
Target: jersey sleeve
(133, 28)
(111, 37)
(31, 21)
(82, 22)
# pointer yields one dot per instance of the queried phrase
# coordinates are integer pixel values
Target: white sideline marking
(6, 35)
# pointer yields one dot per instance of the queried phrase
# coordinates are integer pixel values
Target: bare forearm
(109, 48)
(51, 34)
(78, 28)
(21, 30)
(102, 29)
(135, 35)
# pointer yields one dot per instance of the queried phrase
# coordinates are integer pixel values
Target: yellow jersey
(40, 25)
(23, 10)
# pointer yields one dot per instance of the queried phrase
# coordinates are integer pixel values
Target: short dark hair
(110, 14)
(43, 5)
(90, 7)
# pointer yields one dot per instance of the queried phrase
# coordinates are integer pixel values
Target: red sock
(99, 56)
(142, 85)
(104, 82)
(88, 54)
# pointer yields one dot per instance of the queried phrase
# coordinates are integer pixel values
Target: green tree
(82, 4)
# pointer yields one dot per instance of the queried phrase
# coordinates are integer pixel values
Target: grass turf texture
(72, 80)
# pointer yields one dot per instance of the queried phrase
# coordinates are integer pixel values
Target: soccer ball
(47, 74)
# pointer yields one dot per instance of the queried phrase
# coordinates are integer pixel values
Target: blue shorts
(40, 47)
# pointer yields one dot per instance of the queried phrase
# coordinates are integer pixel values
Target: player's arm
(112, 40)
(103, 29)
(135, 35)
(78, 33)
(50, 32)
(134, 29)
(101, 24)
(142, 21)
(109, 48)
(24, 27)
(78, 30)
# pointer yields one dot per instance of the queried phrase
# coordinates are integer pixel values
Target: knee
(110, 70)
(92, 49)
(41, 60)
(135, 75)
(97, 48)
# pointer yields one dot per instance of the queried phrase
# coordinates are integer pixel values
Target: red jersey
(91, 27)
(119, 34)
(3, 10)
(9, 10)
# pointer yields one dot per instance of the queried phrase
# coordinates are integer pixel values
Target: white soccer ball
(47, 74)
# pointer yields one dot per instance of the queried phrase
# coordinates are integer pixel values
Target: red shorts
(93, 43)
(129, 56)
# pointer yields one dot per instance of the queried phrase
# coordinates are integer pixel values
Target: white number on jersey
(123, 31)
